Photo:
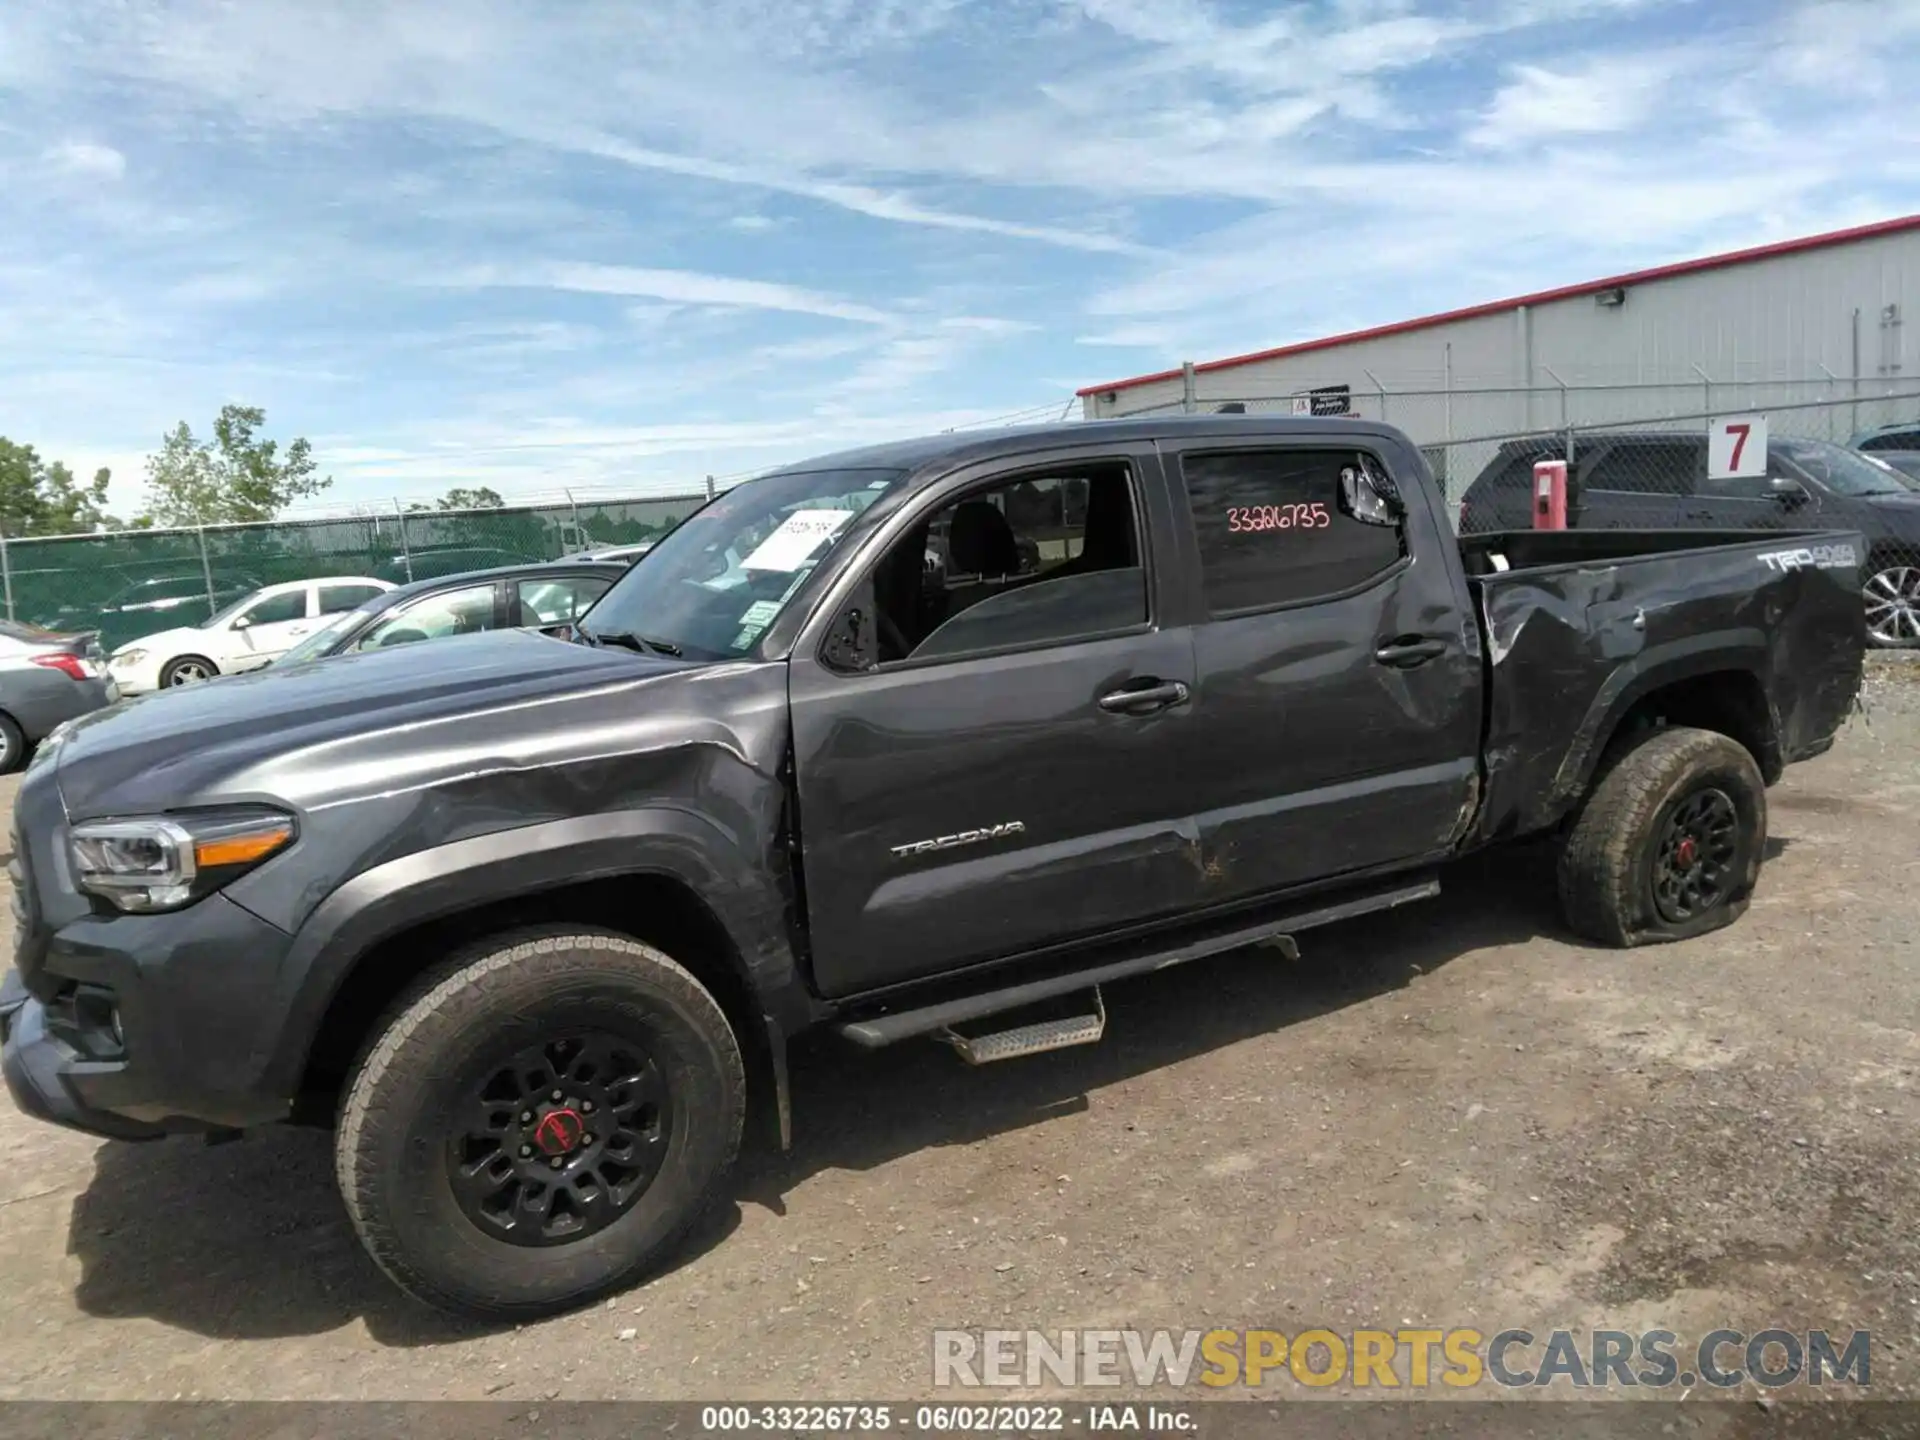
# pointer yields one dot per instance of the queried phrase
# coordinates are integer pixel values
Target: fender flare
(377, 904)
(1744, 651)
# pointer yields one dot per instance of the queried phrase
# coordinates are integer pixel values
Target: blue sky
(594, 244)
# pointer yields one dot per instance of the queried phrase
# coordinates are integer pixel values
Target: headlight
(164, 863)
(126, 657)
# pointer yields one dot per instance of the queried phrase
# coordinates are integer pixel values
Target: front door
(270, 627)
(1336, 725)
(997, 779)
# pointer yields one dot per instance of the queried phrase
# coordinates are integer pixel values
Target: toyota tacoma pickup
(530, 920)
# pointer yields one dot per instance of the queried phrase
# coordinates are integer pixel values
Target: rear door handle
(1150, 696)
(1407, 652)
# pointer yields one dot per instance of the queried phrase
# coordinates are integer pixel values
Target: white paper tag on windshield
(793, 544)
(758, 615)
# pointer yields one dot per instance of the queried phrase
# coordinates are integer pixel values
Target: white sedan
(253, 631)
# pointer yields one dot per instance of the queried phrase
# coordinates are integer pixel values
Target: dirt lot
(1454, 1115)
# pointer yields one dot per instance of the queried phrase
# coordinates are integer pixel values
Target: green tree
(38, 498)
(236, 476)
(478, 498)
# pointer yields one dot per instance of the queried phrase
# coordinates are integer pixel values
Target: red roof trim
(1565, 292)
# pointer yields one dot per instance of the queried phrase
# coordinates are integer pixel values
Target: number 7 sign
(1737, 447)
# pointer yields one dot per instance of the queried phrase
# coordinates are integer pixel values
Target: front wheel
(1669, 842)
(1892, 595)
(187, 670)
(540, 1124)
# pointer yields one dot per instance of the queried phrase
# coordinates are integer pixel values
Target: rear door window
(1279, 527)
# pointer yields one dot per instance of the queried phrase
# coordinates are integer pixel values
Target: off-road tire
(1607, 859)
(394, 1124)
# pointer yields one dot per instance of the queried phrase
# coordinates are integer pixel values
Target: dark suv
(1655, 480)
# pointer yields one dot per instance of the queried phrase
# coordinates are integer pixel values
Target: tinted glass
(335, 598)
(1642, 467)
(1043, 559)
(558, 602)
(1274, 529)
(713, 585)
(454, 612)
(278, 609)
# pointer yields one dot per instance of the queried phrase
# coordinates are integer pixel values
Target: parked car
(627, 553)
(1657, 480)
(526, 920)
(1907, 462)
(1903, 436)
(461, 560)
(552, 593)
(253, 631)
(46, 678)
(152, 604)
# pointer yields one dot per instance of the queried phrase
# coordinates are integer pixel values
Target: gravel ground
(1452, 1115)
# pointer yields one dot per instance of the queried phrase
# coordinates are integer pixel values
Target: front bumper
(142, 1025)
(39, 1069)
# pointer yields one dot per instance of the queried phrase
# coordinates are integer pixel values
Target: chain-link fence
(1781, 467)
(130, 583)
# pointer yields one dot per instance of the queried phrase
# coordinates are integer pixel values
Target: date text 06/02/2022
(960, 1419)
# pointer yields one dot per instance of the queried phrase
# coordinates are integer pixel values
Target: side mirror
(241, 622)
(1787, 490)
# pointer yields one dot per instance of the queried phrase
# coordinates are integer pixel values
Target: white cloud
(680, 287)
(83, 157)
(1607, 95)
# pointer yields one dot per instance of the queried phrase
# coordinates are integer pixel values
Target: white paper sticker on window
(799, 535)
(759, 614)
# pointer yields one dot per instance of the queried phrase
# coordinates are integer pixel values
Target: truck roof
(951, 447)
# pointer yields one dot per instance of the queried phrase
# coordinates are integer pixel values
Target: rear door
(1634, 482)
(999, 774)
(1336, 724)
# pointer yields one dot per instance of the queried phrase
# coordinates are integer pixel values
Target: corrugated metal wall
(1828, 323)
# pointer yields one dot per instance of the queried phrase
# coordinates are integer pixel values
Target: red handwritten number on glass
(1739, 433)
(1296, 516)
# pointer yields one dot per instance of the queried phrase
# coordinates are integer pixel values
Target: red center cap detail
(559, 1132)
(1686, 852)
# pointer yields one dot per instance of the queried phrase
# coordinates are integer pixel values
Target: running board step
(1032, 1039)
(886, 1029)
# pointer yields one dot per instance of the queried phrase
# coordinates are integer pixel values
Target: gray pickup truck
(530, 920)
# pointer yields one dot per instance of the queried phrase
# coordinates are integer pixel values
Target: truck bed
(1761, 633)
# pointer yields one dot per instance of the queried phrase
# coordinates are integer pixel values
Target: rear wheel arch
(1706, 694)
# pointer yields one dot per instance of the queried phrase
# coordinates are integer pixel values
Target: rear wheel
(1669, 841)
(187, 670)
(541, 1124)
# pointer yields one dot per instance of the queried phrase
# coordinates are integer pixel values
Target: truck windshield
(1844, 471)
(710, 589)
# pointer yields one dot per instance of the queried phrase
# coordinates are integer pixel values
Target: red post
(1550, 495)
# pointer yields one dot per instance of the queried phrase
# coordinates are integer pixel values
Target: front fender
(741, 891)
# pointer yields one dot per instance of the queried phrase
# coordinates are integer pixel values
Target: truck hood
(355, 725)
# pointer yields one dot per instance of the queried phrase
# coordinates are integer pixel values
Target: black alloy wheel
(561, 1138)
(1698, 845)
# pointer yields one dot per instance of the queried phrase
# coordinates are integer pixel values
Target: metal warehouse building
(1817, 323)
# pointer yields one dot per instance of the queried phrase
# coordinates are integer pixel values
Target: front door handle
(1150, 696)
(1409, 651)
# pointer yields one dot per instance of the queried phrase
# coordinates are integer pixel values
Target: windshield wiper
(641, 643)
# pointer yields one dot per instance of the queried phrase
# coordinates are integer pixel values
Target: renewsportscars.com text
(1401, 1358)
